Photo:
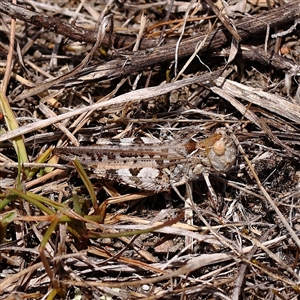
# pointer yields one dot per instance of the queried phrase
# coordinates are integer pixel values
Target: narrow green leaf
(8, 218)
(12, 124)
(41, 159)
(76, 203)
(87, 183)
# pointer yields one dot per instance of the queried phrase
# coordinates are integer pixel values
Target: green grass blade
(12, 124)
(87, 183)
(8, 218)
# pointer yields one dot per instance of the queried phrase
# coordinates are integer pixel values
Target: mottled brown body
(151, 165)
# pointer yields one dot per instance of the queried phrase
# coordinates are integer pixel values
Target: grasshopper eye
(219, 147)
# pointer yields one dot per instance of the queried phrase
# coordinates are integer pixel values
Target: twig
(7, 74)
(267, 196)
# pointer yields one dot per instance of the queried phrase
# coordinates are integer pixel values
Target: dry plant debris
(111, 75)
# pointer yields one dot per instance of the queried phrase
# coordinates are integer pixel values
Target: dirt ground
(149, 149)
